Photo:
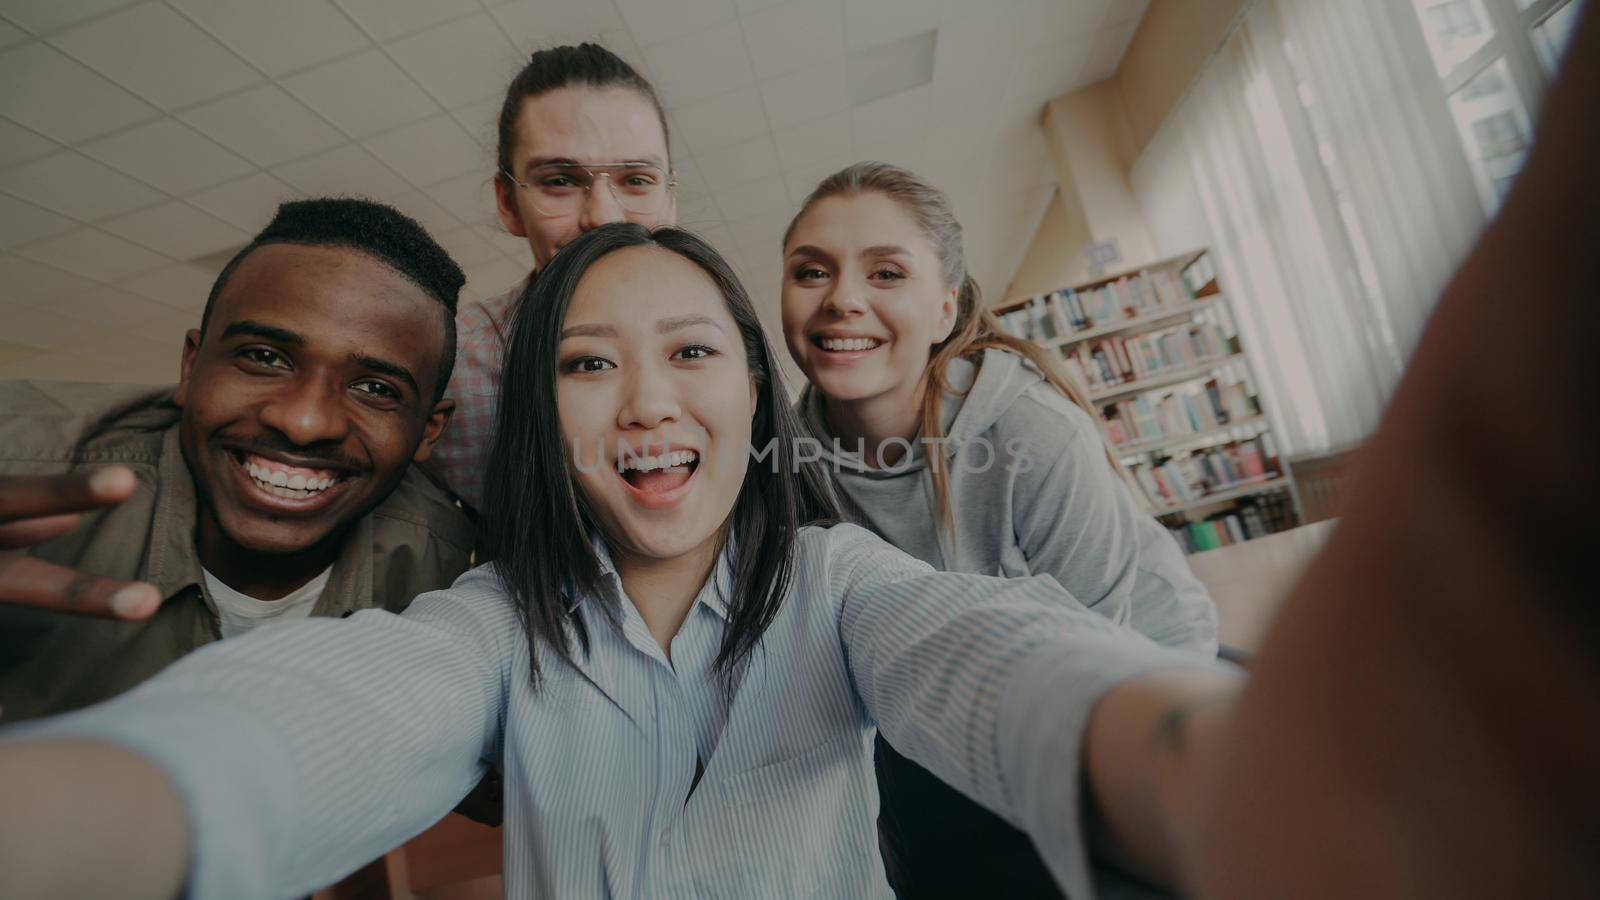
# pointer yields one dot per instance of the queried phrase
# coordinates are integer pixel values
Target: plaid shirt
(462, 454)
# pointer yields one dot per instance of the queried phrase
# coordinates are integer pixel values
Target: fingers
(36, 496)
(34, 582)
(28, 532)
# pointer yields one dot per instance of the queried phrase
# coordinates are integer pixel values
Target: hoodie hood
(976, 395)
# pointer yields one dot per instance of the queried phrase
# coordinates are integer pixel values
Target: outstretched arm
(292, 755)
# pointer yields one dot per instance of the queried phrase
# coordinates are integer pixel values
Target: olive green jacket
(417, 540)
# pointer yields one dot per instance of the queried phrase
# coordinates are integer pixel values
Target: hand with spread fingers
(35, 509)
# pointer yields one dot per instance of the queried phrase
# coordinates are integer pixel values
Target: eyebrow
(810, 251)
(538, 161)
(266, 332)
(384, 367)
(663, 326)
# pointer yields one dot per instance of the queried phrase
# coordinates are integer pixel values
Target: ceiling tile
(108, 307)
(536, 24)
(719, 237)
(698, 213)
(430, 151)
(767, 195)
(55, 95)
(904, 150)
(24, 282)
(818, 139)
(656, 21)
(691, 183)
(94, 253)
(482, 122)
(130, 357)
(806, 95)
(504, 241)
(868, 23)
(428, 213)
(247, 203)
(169, 155)
(11, 35)
(796, 35)
(43, 329)
(169, 329)
(721, 121)
(1053, 70)
(157, 54)
(18, 144)
(464, 60)
(700, 65)
(363, 95)
(280, 36)
(467, 247)
(11, 353)
(892, 115)
(264, 125)
(40, 16)
(978, 47)
(388, 19)
(741, 163)
(349, 170)
(746, 7)
(22, 222)
(1050, 21)
(74, 185)
(177, 230)
(468, 197)
(760, 237)
(181, 287)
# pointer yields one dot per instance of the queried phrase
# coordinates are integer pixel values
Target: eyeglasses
(562, 189)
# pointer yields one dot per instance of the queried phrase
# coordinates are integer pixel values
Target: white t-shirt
(240, 612)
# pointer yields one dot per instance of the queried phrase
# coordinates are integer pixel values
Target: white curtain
(1337, 200)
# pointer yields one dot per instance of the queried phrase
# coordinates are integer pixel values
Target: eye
(589, 365)
(809, 273)
(888, 274)
(557, 182)
(264, 357)
(376, 389)
(641, 181)
(695, 351)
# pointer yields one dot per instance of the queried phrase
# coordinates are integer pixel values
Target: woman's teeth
(631, 463)
(846, 344)
(282, 484)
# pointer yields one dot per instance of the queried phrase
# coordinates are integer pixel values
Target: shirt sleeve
(305, 750)
(987, 682)
(1077, 521)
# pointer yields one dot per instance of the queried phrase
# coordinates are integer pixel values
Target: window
(1494, 58)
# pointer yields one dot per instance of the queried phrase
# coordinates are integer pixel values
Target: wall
(1174, 41)
(1097, 136)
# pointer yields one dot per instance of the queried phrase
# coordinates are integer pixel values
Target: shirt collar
(172, 563)
(713, 594)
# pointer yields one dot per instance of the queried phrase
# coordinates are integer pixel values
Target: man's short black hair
(376, 229)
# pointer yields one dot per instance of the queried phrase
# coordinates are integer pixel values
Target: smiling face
(584, 126)
(864, 298)
(311, 392)
(655, 402)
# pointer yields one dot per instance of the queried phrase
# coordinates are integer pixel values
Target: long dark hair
(539, 527)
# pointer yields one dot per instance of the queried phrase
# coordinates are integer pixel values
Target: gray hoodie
(1031, 493)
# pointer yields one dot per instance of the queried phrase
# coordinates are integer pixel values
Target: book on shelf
(1059, 314)
(1116, 360)
(1256, 516)
(1185, 410)
(1172, 482)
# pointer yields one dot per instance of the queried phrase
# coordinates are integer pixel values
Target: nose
(307, 410)
(650, 400)
(600, 206)
(844, 301)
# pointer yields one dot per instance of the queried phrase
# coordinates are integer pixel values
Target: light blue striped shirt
(304, 750)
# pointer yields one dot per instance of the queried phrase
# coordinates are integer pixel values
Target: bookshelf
(1158, 355)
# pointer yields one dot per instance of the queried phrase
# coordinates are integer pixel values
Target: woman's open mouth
(845, 344)
(661, 480)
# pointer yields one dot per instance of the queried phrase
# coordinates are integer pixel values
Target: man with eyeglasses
(582, 143)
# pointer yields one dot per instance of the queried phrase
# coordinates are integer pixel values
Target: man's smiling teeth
(631, 463)
(284, 481)
(849, 343)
